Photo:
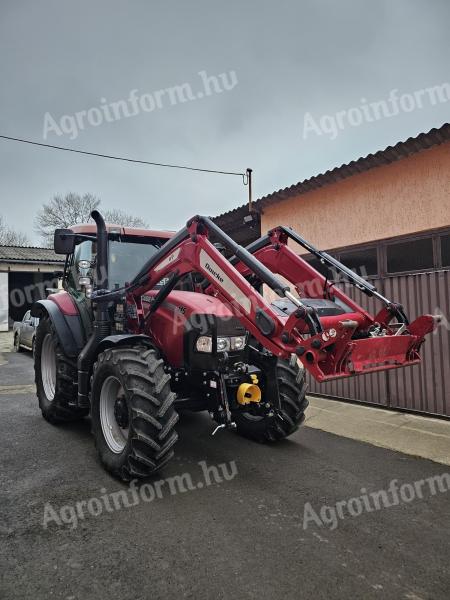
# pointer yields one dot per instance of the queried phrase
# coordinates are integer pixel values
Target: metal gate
(425, 387)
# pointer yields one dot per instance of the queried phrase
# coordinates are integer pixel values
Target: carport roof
(28, 254)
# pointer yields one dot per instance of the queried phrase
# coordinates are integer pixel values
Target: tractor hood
(189, 303)
(171, 324)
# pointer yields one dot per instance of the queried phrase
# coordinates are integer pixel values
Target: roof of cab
(88, 228)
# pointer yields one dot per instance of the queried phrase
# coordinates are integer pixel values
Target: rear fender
(68, 327)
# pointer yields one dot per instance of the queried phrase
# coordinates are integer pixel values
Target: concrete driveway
(6, 344)
(240, 533)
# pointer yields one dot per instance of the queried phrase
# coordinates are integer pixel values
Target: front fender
(68, 327)
(123, 340)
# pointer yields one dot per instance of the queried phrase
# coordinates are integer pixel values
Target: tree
(9, 237)
(64, 211)
(120, 217)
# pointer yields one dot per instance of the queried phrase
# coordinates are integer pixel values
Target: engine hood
(189, 303)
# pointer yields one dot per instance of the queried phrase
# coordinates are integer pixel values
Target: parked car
(25, 332)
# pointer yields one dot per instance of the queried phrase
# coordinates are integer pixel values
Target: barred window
(363, 262)
(445, 250)
(410, 256)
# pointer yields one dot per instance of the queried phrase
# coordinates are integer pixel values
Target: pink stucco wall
(408, 196)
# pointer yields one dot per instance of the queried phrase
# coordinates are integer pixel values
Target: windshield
(126, 259)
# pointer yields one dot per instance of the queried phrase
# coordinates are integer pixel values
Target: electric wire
(126, 159)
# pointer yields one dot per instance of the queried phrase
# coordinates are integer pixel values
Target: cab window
(127, 257)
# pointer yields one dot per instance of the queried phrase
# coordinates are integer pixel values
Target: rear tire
(55, 377)
(133, 414)
(292, 395)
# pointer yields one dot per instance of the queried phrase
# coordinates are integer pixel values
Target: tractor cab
(128, 248)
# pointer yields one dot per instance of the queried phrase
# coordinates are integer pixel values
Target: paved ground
(405, 432)
(6, 344)
(242, 538)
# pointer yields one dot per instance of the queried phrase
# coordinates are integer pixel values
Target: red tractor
(150, 323)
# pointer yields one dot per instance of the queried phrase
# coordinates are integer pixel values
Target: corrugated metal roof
(29, 254)
(383, 157)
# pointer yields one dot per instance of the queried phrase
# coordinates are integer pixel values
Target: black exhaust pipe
(101, 325)
(102, 250)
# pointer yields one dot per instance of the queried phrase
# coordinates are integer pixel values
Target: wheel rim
(112, 405)
(48, 367)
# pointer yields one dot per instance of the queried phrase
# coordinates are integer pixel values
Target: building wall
(407, 196)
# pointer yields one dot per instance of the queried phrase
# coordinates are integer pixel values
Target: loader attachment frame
(329, 347)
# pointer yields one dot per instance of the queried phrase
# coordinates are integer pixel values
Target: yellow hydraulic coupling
(248, 392)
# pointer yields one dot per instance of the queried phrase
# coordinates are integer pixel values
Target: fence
(424, 387)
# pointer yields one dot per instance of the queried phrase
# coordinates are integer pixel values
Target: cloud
(290, 58)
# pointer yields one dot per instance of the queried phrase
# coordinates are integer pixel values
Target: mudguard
(68, 327)
(122, 340)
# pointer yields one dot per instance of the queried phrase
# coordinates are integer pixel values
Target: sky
(288, 68)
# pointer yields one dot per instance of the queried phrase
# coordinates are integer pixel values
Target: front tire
(133, 414)
(55, 377)
(285, 421)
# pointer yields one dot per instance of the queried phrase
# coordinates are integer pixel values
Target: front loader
(189, 330)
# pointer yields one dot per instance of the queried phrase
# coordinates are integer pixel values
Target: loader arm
(191, 252)
(273, 251)
(330, 348)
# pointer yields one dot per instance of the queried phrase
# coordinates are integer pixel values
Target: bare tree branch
(64, 211)
(68, 210)
(119, 217)
(10, 237)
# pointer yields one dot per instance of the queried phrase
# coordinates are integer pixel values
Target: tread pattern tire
(151, 413)
(60, 409)
(292, 392)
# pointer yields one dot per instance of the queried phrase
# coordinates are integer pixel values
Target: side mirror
(64, 241)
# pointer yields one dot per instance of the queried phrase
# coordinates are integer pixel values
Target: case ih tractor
(150, 323)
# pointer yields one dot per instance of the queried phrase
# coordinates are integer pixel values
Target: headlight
(224, 344)
(238, 342)
(84, 281)
(204, 344)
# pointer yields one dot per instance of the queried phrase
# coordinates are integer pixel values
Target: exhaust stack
(101, 326)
